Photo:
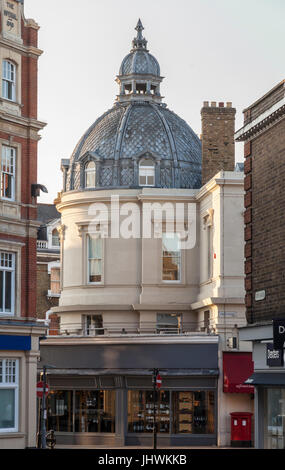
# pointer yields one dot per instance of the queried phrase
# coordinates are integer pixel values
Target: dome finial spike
(139, 41)
(139, 28)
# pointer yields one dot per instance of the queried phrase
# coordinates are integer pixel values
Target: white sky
(208, 50)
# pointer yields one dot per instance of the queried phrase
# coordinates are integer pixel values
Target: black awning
(266, 378)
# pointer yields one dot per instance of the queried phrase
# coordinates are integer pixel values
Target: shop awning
(266, 378)
(237, 367)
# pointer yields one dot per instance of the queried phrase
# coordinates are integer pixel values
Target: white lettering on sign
(273, 354)
(281, 330)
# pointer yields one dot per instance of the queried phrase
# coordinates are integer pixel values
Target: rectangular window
(95, 411)
(7, 283)
(8, 80)
(193, 412)
(85, 411)
(8, 162)
(140, 411)
(55, 280)
(95, 259)
(274, 418)
(9, 395)
(93, 325)
(168, 323)
(60, 411)
(171, 257)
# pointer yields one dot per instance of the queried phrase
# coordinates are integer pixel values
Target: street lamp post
(44, 408)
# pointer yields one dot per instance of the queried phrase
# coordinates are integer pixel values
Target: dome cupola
(139, 141)
(139, 76)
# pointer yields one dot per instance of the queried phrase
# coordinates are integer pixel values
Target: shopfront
(115, 406)
(268, 380)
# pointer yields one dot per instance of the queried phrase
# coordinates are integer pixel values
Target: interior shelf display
(141, 411)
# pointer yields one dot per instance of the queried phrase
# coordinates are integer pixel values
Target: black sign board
(274, 357)
(278, 333)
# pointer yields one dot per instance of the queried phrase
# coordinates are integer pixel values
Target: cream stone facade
(133, 301)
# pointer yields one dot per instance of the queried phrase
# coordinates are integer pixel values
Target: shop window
(9, 395)
(168, 323)
(95, 259)
(93, 325)
(146, 172)
(171, 257)
(60, 411)
(8, 80)
(7, 283)
(84, 411)
(141, 411)
(193, 412)
(95, 411)
(8, 172)
(90, 175)
(274, 432)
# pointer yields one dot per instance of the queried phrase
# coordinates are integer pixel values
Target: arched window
(146, 172)
(8, 80)
(55, 238)
(90, 175)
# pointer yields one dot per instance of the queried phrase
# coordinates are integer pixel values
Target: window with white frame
(146, 172)
(90, 175)
(93, 325)
(8, 172)
(9, 395)
(95, 259)
(8, 80)
(55, 238)
(171, 257)
(7, 283)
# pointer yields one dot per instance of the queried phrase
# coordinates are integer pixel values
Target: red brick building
(264, 136)
(19, 136)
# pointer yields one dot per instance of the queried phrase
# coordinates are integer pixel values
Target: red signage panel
(237, 368)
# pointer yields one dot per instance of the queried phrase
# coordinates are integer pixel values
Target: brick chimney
(218, 145)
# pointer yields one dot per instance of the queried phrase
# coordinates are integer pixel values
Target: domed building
(139, 137)
(145, 285)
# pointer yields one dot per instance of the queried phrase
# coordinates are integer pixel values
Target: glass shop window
(60, 411)
(274, 425)
(95, 411)
(146, 173)
(141, 410)
(193, 412)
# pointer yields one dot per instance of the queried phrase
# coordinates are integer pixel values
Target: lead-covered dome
(139, 141)
(140, 62)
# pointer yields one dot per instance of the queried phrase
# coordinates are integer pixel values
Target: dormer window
(55, 238)
(8, 80)
(146, 172)
(90, 175)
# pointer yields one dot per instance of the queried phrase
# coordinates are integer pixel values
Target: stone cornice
(23, 121)
(30, 50)
(263, 122)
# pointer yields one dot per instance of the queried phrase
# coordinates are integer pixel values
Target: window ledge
(15, 434)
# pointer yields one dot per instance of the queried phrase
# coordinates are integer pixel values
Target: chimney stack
(218, 144)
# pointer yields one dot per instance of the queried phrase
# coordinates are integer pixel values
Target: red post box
(241, 429)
